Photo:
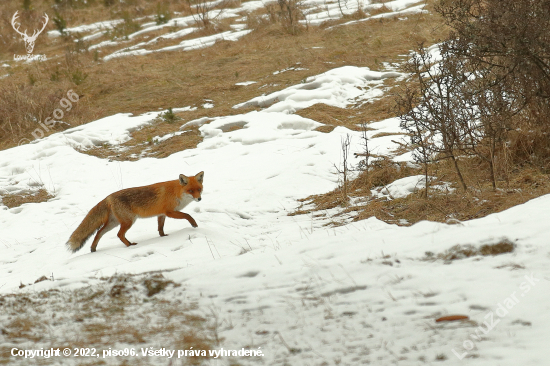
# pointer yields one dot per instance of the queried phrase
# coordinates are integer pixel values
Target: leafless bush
(291, 14)
(288, 13)
(206, 12)
(366, 154)
(406, 100)
(509, 42)
(436, 116)
(489, 90)
(343, 172)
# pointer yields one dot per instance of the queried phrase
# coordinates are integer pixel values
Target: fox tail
(93, 221)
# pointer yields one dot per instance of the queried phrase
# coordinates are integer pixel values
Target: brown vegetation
(178, 79)
(16, 200)
(487, 135)
(466, 251)
(450, 206)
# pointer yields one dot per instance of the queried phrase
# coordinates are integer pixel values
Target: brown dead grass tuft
(381, 10)
(156, 284)
(143, 144)
(332, 116)
(466, 251)
(16, 200)
(504, 246)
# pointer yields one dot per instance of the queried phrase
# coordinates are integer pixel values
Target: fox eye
(191, 191)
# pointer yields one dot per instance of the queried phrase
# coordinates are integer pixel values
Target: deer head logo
(29, 40)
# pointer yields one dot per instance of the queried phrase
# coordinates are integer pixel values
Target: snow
(288, 69)
(337, 87)
(184, 109)
(334, 10)
(418, 9)
(401, 187)
(103, 25)
(186, 45)
(245, 83)
(306, 293)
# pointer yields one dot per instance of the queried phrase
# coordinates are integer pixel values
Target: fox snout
(198, 199)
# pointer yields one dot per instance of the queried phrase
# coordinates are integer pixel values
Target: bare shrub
(488, 92)
(344, 171)
(291, 14)
(509, 41)
(436, 115)
(205, 13)
(288, 13)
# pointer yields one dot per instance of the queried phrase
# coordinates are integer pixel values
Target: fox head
(193, 185)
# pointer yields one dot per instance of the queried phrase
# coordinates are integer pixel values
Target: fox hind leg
(109, 225)
(125, 225)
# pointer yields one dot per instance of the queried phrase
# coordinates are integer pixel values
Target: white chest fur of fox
(163, 200)
(184, 201)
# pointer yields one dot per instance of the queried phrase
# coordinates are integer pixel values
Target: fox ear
(183, 180)
(199, 177)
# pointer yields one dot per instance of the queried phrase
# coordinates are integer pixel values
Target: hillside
(289, 260)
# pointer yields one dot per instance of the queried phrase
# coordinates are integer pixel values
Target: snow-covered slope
(307, 294)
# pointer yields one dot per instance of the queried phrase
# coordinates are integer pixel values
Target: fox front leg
(182, 215)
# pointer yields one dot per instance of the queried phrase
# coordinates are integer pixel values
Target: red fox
(125, 206)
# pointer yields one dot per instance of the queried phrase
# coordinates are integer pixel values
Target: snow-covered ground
(307, 294)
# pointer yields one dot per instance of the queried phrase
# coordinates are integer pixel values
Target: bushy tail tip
(74, 246)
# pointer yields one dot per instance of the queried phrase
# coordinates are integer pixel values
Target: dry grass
(383, 172)
(143, 144)
(76, 12)
(156, 284)
(354, 115)
(466, 251)
(521, 185)
(16, 200)
(333, 116)
(174, 79)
